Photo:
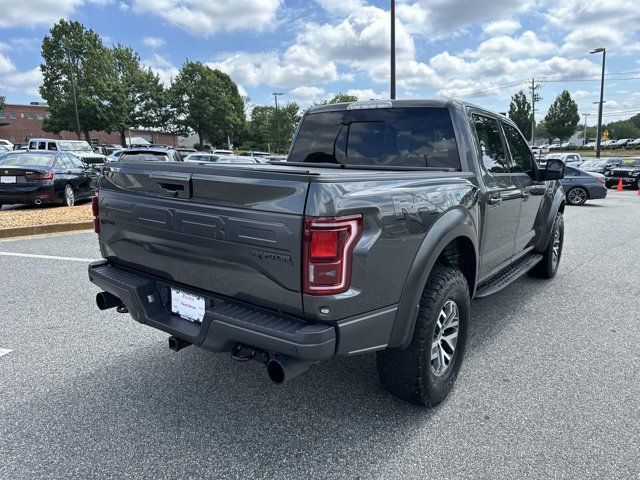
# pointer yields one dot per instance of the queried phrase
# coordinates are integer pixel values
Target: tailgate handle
(173, 184)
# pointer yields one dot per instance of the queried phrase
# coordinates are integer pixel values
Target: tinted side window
(52, 146)
(571, 172)
(520, 152)
(75, 161)
(492, 151)
(63, 162)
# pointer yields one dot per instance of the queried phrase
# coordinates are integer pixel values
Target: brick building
(19, 123)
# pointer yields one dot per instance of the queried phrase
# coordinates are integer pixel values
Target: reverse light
(95, 210)
(328, 253)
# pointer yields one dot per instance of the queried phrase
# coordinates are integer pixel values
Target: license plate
(8, 179)
(188, 306)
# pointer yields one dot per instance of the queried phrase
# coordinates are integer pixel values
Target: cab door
(501, 196)
(523, 169)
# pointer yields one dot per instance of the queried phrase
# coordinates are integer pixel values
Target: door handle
(494, 199)
(525, 195)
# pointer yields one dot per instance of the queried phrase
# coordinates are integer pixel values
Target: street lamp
(602, 50)
(393, 49)
(275, 96)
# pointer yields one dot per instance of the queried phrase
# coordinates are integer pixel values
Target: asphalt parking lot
(550, 387)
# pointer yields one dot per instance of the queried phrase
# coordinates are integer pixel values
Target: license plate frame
(187, 305)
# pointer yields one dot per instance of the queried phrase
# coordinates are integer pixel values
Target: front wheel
(69, 196)
(424, 372)
(548, 266)
(577, 196)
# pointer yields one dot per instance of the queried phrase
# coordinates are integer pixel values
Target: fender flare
(556, 204)
(451, 225)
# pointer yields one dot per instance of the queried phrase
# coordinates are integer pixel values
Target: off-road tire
(547, 268)
(408, 373)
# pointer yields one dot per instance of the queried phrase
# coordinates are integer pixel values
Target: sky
(481, 51)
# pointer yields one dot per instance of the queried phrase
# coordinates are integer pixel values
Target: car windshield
(75, 147)
(403, 137)
(144, 157)
(31, 159)
(630, 162)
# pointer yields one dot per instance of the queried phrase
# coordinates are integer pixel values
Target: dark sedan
(37, 177)
(580, 186)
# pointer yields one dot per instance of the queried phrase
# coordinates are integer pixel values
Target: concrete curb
(44, 229)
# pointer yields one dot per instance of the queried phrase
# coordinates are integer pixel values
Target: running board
(508, 275)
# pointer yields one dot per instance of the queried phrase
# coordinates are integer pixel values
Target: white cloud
(153, 42)
(205, 17)
(6, 65)
(307, 95)
(34, 12)
(22, 82)
(526, 45)
(506, 26)
(162, 66)
(340, 6)
(366, 94)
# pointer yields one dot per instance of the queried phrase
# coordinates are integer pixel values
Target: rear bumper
(598, 192)
(227, 323)
(46, 194)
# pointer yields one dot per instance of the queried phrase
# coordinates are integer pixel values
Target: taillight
(600, 180)
(328, 253)
(34, 177)
(95, 209)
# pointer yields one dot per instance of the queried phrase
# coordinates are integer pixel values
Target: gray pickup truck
(386, 220)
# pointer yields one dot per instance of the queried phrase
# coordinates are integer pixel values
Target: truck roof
(385, 103)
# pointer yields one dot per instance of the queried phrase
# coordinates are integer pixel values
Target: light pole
(584, 135)
(73, 91)
(275, 96)
(602, 50)
(393, 49)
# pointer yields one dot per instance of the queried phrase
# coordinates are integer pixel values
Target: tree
(543, 132)
(206, 102)
(339, 98)
(520, 113)
(142, 98)
(562, 118)
(261, 131)
(72, 50)
(2, 104)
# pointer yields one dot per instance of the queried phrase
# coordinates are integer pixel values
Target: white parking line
(4, 351)
(46, 257)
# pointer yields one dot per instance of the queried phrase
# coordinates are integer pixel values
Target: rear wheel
(426, 370)
(577, 196)
(69, 196)
(548, 266)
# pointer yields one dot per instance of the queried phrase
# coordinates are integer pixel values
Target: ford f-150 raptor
(387, 218)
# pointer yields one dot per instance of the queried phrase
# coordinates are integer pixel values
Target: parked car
(6, 143)
(185, 152)
(628, 170)
(569, 145)
(150, 154)
(37, 177)
(573, 159)
(114, 156)
(277, 158)
(203, 157)
(633, 144)
(79, 148)
(260, 157)
(594, 166)
(621, 143)
(4, 149)
(606, 144)
(223, 152)
(374, 236)
(581, 186)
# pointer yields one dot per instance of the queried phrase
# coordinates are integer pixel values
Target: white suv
(79, 148)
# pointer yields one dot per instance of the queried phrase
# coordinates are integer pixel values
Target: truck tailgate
(233, 231)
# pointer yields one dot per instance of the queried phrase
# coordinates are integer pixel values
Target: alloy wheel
(69, 196)
(445, 338)
(577, 196)
(557, 247)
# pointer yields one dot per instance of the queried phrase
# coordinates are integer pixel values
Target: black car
(150, 154)
(628, 171)
(37, 177)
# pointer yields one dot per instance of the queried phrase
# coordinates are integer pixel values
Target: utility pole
(393, 49)
(584, 135)
(275, 96)
(535, 97)
(602, 50)
(73, 90)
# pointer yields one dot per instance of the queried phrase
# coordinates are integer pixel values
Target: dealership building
(19, 123)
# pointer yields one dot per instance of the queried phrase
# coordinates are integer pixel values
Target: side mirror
(554, 170)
